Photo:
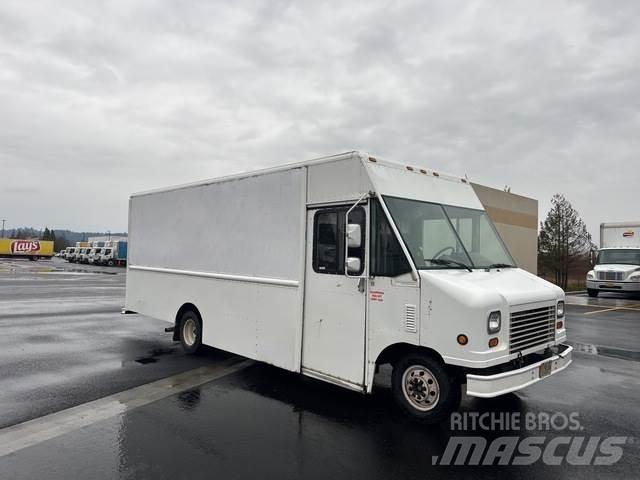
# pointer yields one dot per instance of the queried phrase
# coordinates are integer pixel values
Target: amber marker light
(493, 342)
(462, 339)
(559, 325)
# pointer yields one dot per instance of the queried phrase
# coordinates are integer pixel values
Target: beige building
(516, 218)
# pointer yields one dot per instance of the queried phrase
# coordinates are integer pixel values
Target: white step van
(335, 266)
(617, 267)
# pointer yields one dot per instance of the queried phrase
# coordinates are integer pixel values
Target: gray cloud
(101, 101)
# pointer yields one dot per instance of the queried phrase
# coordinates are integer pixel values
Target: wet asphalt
(65, 343)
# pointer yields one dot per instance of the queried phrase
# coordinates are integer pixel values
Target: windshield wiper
(501, 265)
(442, 261)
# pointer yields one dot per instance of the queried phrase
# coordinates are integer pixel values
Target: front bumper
(609, 286)
(487, 386)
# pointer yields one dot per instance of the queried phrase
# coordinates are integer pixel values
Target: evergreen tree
(563, 240)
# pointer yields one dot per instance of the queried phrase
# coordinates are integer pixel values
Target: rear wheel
(592, 292)
(191, 332)
(110, 263)
(423, 389)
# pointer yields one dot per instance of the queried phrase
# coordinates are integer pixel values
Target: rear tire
(190, 332)
(423, 389)
(592, 292)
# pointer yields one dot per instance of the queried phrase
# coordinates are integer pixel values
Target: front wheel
(191, 332)
(423, 389)
(592, 292)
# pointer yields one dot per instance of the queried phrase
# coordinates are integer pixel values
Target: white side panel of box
(226, 227)
(258, 321)
(234, 249)
(620, 235)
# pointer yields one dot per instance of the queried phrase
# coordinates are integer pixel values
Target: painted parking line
(633, 308)
(32, 432)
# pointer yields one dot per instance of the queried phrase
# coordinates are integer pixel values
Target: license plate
(607, 285)
(544, 369)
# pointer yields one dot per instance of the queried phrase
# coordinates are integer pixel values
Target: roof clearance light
(422, 170)
(373, 159)
(436, 174)
(409, 168)
(464, 180)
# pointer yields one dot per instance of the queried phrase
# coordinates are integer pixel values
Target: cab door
(333, 346)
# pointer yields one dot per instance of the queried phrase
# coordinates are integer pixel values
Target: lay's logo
(628, 234)
(25, 246)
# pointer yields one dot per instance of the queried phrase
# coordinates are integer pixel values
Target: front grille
(610, 275)
(532, 327)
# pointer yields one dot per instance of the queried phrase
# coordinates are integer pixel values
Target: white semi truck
(617, 267)
(335, 266)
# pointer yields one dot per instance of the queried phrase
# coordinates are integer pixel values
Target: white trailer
(335, 266)
(617, 266)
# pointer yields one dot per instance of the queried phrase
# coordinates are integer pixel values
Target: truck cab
(82, 257)
(617, 266)
(94, 255)
(71, 254)
(616, 270)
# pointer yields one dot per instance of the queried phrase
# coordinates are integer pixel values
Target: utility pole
(3, 220)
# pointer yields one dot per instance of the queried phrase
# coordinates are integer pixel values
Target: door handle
(361, 284)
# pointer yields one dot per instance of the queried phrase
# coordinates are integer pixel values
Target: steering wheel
(441, 252)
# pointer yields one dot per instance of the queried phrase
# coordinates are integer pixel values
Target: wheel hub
(189, 331)
(420, 388)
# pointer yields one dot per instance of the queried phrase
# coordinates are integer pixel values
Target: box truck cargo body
(617, 266)
(335, 266)
(27, 248)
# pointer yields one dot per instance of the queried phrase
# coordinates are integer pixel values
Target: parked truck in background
(114, 253)
(617, 267)
(335, 266)
(32, 249)
(94, 255)
(74, 255)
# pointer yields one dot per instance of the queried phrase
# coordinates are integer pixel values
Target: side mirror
(354, 236)
(353, 265)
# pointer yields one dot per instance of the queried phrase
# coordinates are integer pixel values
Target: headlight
(494, 322)
(591, 275)
(560, 309)
(635, 276)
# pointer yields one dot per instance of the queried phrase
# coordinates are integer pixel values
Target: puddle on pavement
(154, 354)
(606, 351)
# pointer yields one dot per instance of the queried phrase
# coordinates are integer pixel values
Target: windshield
(626, 256)
(439, 236)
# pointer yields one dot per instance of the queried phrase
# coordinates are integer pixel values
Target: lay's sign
(40, 248)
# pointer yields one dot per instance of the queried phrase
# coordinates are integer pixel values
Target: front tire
(592, 292)
(191, 332)
(423, 389)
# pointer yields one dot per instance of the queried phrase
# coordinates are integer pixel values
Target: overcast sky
(100, 101)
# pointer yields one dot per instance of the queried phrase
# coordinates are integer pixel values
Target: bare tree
(563, 240)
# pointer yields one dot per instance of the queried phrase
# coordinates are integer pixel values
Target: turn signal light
(493, 342)
(462, 339)
(559, 325)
